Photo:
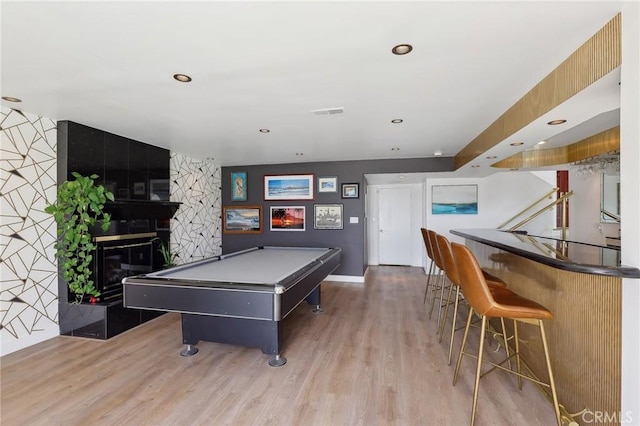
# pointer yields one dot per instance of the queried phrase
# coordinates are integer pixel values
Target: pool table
(239, 298)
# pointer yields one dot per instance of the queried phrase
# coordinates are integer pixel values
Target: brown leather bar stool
(432, 263)
(451, 271)
(440, 283)
(500, 303)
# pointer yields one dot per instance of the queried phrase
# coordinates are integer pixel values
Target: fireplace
(123, 255)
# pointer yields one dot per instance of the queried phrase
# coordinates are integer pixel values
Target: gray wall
(352, 239)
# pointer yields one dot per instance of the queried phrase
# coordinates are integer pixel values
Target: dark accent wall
(352, 238)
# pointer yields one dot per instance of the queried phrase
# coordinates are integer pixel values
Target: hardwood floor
(372, 358)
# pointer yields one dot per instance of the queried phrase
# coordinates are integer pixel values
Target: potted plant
(169, 258)
(78, 207)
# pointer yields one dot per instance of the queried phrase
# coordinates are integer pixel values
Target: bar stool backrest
(446, 255)
(474, 287)
(427, 244)
(434, 248)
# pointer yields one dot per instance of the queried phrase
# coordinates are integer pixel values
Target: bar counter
(581, 284)
(565, 255)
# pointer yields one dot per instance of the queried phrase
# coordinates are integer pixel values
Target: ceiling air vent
(329, 111)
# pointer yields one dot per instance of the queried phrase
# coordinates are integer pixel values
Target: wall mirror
(610, 198)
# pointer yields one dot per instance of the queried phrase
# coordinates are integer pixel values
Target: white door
(394, 226)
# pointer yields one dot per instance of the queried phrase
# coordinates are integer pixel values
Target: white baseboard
(345, 278)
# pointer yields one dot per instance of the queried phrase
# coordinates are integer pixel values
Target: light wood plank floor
(372, 358)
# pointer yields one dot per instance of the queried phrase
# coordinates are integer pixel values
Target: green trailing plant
(78, 207)
(168, 257)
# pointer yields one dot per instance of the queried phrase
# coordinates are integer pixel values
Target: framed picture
(328, 184)
(239, 186)
(454, 199)
(349, 190)
(242, 220)
(138, 188)
(288, 187)
(327, 216)
(287, 218)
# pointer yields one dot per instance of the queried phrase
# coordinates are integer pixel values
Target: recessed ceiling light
(475, 165)
(396, 120)
(183, 78)
(264, 130)
(516, 143)
(395, 148)
(491, 157)
(10, 99)
(541, 143)
(402, 49)
(401, 177)
(556, 122)
(437, 153)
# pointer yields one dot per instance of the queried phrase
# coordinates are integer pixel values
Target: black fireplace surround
(138, 176)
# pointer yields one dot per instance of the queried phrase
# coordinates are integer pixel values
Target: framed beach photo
(328, 184)
(350, 190)
(454, 199)
(242, 219)
(288, 187)
(327, 216)
(239, 186)
(287, 218)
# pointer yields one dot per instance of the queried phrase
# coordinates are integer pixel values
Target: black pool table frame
(245, 314)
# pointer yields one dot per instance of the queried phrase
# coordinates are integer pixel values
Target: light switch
(353, 219)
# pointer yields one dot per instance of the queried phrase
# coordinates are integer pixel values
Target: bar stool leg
(552, 382)
(446, 313)
(506, 344)
(426, 289)
(442, 288)
(478, 369)
(464, 343)
(435, 288)
(453, 323)
(517, 344)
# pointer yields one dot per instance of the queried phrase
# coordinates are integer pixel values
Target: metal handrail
(611, 215)
(529, 207)
(559, 200)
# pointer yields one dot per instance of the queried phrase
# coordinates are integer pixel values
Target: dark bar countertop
(565, 255)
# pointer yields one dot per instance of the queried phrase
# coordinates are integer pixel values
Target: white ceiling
(267, 64)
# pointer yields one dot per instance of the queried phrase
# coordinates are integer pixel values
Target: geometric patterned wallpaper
(28, 267)
(196, 228)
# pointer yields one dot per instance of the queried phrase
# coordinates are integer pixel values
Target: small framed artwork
(454, 199)
(328, 184)
(288, 187)
(287, 218)
(350, 190)
(239, 186)
(242, 220)
(138, 188)
(327, 216)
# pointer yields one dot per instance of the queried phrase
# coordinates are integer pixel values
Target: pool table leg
(189, 351)
(313, 299)
(277, 361)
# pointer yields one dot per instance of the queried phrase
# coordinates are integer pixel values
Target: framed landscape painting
(288, 187)
(287, 218)
(454, 199)
(242, 220)
(328, 184)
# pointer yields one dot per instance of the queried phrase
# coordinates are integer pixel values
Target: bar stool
(451, 271)
(440, 283)
(432, 264)
(500, 303)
